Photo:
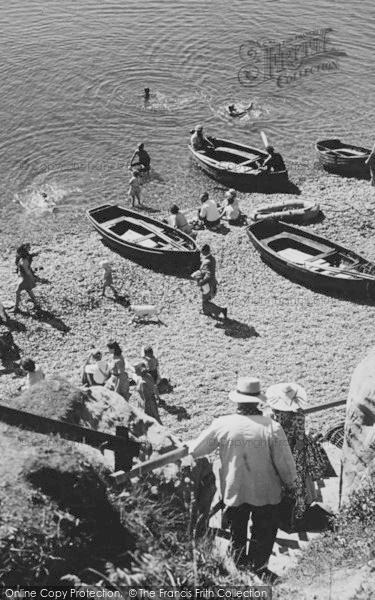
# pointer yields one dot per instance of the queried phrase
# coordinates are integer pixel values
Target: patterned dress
(293, 424)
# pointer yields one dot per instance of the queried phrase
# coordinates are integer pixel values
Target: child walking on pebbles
(135, 188)
(108, 278)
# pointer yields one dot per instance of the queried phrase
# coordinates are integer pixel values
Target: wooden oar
(338, 271)
(264, 139)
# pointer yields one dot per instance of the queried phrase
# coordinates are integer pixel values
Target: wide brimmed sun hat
(287, 397)
(248, 391)
(198, 128)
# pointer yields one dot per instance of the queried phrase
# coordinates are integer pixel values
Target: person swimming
(146, 94)
(234, 112)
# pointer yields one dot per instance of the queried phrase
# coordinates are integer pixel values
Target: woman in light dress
(118, 379)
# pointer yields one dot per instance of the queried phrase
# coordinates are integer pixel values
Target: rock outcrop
(359, 445)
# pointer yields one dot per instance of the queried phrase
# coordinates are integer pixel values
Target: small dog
(144, 311)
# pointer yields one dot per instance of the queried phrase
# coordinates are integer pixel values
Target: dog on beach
(142, 312)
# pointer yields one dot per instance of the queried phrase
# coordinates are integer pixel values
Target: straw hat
(248, 391)
(287, 397)
(198, 128)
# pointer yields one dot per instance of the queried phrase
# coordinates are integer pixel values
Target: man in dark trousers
(208, 284)
(256, 463)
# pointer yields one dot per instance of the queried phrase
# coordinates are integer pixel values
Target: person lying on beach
(34, 373)
(142, 159)
(234, 112)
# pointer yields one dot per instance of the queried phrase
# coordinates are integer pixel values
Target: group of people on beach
(117, 374)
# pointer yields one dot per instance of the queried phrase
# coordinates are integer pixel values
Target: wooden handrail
(318, 407)
(169, 457)
(68, 431)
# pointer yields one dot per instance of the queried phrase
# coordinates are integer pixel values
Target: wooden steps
(289, 546)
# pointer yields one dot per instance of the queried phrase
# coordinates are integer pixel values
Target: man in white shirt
(96, 368)
(209, 213)
(256, 463)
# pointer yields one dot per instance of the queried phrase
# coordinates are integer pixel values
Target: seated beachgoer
(209, 213)
(199, 142)
(231, 212)
(96, 369)
(231, 193)
(274, 161)
(142, 159)
(34, 373)
(178, 220)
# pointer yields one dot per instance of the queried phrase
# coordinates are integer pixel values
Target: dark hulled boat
(143, 239)
(342, 158)
(237, 166)
(313, 260)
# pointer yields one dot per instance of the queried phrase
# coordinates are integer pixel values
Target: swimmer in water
(146, 94)
(234, 112)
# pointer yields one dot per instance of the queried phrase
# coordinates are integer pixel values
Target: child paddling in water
(135, 188)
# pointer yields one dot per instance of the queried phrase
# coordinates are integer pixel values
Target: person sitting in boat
(199, 142)
(274, 161)
(234, 112)
(231, 212)
(208, 213)
(178, 220)
(142, 159)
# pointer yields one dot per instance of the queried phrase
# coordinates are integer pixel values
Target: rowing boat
(342, 158)
(289, 212)
(237, 165)
(145, 240)
(312, 260)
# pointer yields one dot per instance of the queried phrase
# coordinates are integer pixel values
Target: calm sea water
(71, 75)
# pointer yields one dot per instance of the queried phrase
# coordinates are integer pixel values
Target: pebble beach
(278, 330)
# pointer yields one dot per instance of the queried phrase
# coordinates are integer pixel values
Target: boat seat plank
(305, 241)
(112, 222)
(234, 151)
(143, 223)
(136, 238)
(323, 255)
